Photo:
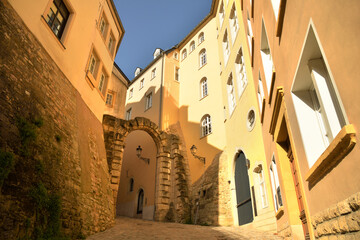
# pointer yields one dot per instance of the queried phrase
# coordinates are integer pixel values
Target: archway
(167, 146)
(242, 186)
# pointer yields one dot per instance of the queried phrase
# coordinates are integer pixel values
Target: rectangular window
(111, 44)
(148, 101)
(153, 73)
(234, 24)
(102, 82)
(240, 72)
(177, 74)
(131, 92)
(57, 17)
(93, 64)
(262, 187)
(260, 93)
(266, 57)
(103, 26)
(128, 114)
(109, 99)
(275, 184)
(226, 48)
(249, 33)
(142, 83)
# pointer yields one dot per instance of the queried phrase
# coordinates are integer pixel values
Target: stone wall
(65, 153)
(340, 221)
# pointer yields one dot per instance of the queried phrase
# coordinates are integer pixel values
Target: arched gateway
(115, 132)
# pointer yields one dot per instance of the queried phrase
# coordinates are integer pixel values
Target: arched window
(131, 187)
(234, 24)
(140, 202)
(192, 46)
(202, 56)
(184, 54)
(240, 72)
(201, 37)
(203, 88)
(205, 125)
(231, 94)
(221, 14)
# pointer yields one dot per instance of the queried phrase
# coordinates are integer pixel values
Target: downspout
(161, 92)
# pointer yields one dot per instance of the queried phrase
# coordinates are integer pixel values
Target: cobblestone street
(129, 228)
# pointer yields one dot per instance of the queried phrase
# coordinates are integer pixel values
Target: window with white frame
(128, 114)
(141, 83)
(226, 48)
(276, 7)
(148, 102)
(249, 33)
(317, 105)
(131, 92)
(177, 74)
(266, 57)
(184, 54)
(103, 25)
(201, 37)
(234, 23)
(221, 14)
(109, 99)
(263, 196)
(260, 93)
(275, 184)
(192, 46)
(240, 72)
(102, 83)
(93, 64)
(206, 125)
(231, 94)
(153, 73)
(203, 88)
(202, 57)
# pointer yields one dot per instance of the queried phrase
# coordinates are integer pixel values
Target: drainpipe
(161, 92)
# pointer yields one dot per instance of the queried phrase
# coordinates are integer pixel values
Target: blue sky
(151, 24)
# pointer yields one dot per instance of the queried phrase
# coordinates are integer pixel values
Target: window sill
(52, 33)
(147, 109)
(205, 136)
(90, 78)
(203, 97)
(279, 213)
(202, 66)
(342, 144)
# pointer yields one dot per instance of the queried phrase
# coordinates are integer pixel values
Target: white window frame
(262, 188)
(266, 57)
(128, 114)
(153, 73)
(102, 81)
(240, 72)
(226, 47)
(201, 37)
(231, 94)
(221, 14)
(109, 98)
(131, 93)
(249, 33)
(206, 127)
(93, 64)
(148, 103)
(141, 83)
(234, 24)
(202, 57)
(184, 54)
(203, 88)
(192, 46)
(275, 185)
(260, 93)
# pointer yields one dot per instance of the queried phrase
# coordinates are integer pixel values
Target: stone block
(342, 224)
(352, 222)
(334, 226)
(344, 207)
(334, 212)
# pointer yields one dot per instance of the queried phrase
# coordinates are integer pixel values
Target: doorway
(242, 186)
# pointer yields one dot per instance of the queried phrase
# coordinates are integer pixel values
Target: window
(140, 202)
(317, 105)
(176, 56)
(275, 184)
(266, 57)
(131, 92)
(250, 121)
(234, 24)
(93, 64)
(102, 83)
(205, 125)
(148, 101)
(262, 187)
(240, 72)
(177, 74)
(57, 17)
(260, 93)
(201, 37)
(141, 83)
(109, 99)
(249, 33)
(111, 44)
(184, 54)
(192, 46)
(153, 73)
(103, 26)
(231, 94)
(226, 49)
(221, 14)
(202, 57)
(128, 114)
(203, 88)
(131, 187)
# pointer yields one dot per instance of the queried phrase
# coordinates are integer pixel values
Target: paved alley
(129, 228)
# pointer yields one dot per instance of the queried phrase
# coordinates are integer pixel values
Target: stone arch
(115, 132)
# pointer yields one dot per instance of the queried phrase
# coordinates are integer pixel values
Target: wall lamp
(193, 150)
(138, 154)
